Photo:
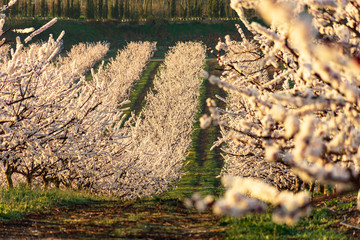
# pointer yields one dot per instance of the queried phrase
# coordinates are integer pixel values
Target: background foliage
(122, 9)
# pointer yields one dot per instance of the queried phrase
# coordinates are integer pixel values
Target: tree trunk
(28, 181)
(46, 183)
(311, 187)
(9, 180)
(298, 185)
(57, 184)
(321, 189)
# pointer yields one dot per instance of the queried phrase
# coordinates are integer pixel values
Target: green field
(118, 33)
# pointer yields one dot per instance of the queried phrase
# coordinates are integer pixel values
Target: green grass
(138, 89)
(16, 203)
(317, 226)
(202, 165)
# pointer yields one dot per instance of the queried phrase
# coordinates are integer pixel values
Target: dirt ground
(149, 219)
(108, 220)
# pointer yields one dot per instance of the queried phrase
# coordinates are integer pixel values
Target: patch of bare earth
(111, 219)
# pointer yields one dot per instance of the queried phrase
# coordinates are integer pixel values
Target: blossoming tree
(293, 106)
(54, 123)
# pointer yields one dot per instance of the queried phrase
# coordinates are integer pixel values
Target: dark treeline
(122, 9)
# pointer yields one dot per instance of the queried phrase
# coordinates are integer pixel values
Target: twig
(221, 98)
(348, 225)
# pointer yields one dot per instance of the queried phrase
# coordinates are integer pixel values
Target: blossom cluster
(81, 58)
(293, 95)
(289, 207)
(119, 76)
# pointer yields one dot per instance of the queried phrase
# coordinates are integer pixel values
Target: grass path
(203, 165)
(162, 217)
(141, 87)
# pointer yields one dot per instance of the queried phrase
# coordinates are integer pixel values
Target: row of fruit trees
(292, 111)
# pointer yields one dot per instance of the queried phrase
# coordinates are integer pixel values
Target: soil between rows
(112, 219)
